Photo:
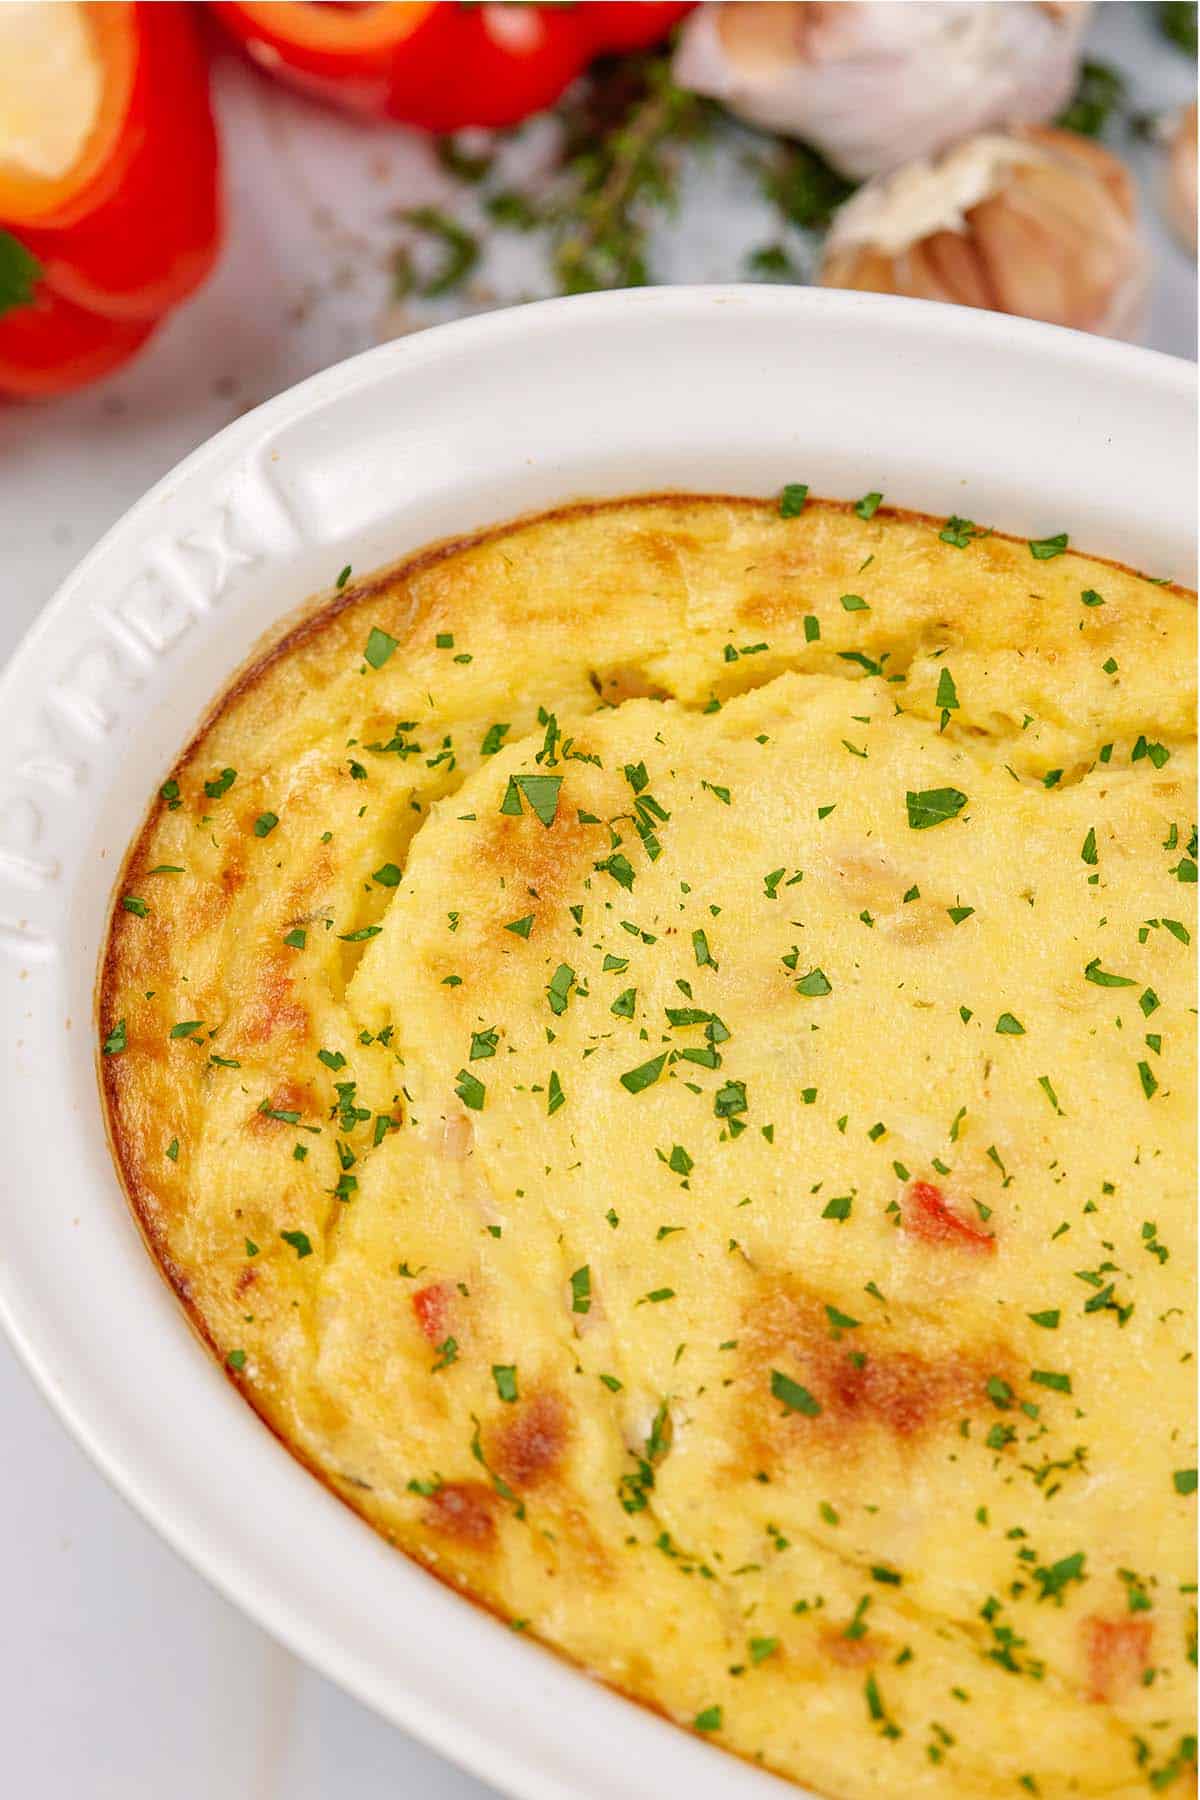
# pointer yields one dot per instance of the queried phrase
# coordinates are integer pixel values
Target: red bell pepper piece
(435, 63)
(131, 227)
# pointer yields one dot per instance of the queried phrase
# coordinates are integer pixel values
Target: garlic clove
(1039, 222)
(871, 84)
(1180, 195)
(961, 273)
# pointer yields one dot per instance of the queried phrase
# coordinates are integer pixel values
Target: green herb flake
(645, 1075)
(540, 791)
(470, 1090)
(1043, 549)
(702, 952)
(1053, 1580)
(792, 499)
(815, 984)
(1047, 1378)
(379, 647)
(298, 1241)
(794, 1397)
(581, 1290)
(505, 1377)
(933, 806)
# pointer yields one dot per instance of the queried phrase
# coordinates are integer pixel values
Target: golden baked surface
(656, 1046)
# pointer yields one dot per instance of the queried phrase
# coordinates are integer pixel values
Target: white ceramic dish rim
(735, 389)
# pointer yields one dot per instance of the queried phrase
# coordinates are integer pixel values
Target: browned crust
(299, 627)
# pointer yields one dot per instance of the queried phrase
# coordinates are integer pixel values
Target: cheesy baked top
(657, 1046)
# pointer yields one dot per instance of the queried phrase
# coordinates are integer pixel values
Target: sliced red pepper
(48, 346)
(133, 224)
(438, 65)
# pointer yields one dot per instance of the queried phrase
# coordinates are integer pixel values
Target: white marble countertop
(122, 1674)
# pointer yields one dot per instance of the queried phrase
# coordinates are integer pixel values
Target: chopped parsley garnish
(505, 1377)
(794, 1396)
(645, 1075)
(581, 1290)
(265, 824)
(541, 792)
(1054, 1579)
(1042, 549)
(814, 984)
(702, 952)
(933, 806)
(959, 532)
(379, 647)
(470, 1090)
(116, 1041)
(792, 499)
(946, 698)
(1101, 977)
(299, 1242)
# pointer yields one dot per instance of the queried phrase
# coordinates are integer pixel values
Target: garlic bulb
(1038, 222)
(1181, 178)
(872, 85)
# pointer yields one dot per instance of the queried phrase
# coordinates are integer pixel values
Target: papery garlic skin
(1042, 223)
(873, 85)
(1181, 178)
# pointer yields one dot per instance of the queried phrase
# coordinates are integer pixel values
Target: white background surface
(121, 1674)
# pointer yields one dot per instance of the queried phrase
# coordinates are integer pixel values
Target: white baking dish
(740, 389)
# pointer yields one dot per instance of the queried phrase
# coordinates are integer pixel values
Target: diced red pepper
(432, 1308)
(927, 1214)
